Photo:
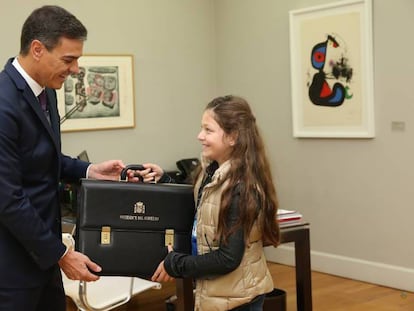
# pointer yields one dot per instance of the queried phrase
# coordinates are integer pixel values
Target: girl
(236, 213)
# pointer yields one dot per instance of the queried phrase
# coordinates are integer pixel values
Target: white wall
(356, 193)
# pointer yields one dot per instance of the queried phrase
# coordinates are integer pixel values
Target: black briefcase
(125, 227)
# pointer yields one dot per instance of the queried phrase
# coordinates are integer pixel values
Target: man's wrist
(66, 251)
(87, 171)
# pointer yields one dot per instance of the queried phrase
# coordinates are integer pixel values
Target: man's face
(62, 61)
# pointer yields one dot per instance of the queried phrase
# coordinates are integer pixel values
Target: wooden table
(299, 234)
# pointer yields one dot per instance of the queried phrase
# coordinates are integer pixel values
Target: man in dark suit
(31, 165)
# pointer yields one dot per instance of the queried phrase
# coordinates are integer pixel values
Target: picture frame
(332, 70)
(100, 96)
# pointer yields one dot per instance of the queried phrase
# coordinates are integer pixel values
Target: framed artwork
(100, 96)
(332, 70)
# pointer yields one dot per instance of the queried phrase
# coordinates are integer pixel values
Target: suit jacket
(31, 166)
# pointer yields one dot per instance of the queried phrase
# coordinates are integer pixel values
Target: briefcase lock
(169, 237)
(106, 235)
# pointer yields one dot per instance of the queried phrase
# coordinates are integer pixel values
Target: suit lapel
(53, 128)
(37, 109)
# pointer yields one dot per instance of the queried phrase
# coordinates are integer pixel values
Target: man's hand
(78, 266)
(109, 170)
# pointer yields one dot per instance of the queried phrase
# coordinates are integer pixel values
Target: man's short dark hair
(49, 24)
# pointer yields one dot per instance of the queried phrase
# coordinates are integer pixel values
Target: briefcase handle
(135, 167)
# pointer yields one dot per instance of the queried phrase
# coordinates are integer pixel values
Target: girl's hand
(160, 275)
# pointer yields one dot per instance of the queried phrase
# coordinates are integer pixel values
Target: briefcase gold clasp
(169, 237)
(106, 235)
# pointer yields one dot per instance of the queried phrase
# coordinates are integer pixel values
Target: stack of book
(288, 217)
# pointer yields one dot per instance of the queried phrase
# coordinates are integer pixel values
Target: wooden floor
(330, 293)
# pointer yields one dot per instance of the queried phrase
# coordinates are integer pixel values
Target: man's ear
(37, 49)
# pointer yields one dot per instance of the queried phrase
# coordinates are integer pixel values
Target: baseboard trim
(348, 267)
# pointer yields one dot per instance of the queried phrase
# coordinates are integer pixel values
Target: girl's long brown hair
(250, 172)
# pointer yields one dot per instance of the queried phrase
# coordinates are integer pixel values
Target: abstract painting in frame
(332, 70)
(100, 96)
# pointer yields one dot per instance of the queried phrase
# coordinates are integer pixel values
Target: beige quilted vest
(240, 286)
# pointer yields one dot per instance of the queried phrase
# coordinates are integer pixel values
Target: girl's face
(216, 145)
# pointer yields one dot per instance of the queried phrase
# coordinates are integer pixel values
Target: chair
(105, 294)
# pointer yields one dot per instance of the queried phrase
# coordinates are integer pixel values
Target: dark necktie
(43, 104)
